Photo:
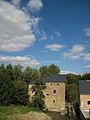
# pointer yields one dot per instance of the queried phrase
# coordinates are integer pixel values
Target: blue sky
(40, 32)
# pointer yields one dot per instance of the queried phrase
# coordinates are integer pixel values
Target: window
(58, 84)
(53, 101)
(47, 94)
(88, 102)
(54, 91)
(51, 83)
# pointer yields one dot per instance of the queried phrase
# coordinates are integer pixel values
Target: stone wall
(84, 102)
(54, 96)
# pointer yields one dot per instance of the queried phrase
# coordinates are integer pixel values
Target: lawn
(7, 112)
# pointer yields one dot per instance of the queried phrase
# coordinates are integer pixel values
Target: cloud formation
(24, 61)
(66, 72)
(16, 28)
(76, 52)
(54, 47)
(35, 5)
(87, 31)
(58, 33)
(87, 57)
(87, 66)
(15, 2)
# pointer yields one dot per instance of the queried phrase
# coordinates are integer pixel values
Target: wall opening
(54, 91)
(88, 102)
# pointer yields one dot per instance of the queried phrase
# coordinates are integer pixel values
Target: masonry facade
(54, 93)
(84, 94)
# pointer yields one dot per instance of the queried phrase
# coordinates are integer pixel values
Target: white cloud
(87, 57)
(35, 5)
(87, 66)
(58, 33)
(42, 35)
(16, 28)
(87, 31)
(54, 47)
(76, 52)
(24, 61)
(51, 61)
(66, 72)
(15, 2)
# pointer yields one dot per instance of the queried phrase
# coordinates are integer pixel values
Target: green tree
(38, 98)
(36, 75)
(13, 90)
(44, 70)
(19, 93)
(17, 72)
(72, 88)
(53, 69)
(28, 74)
(86, 76)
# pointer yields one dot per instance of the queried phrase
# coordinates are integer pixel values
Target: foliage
(44, 70)
(13, 89)
(38, 97)
(53, 69)
(72, 88)
(86, 76)
(14, 82)
(6, 111)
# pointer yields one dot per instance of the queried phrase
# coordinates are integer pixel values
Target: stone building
(54, 93)
(84, 97)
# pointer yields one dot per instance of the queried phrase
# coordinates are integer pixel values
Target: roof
(52, 79)
(55, 78)
(84, 86)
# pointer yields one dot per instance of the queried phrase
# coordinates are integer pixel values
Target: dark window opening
(88, 102)
(47, 94)
(51, 83)
(58, 84)
(54, 91)
(53, 101)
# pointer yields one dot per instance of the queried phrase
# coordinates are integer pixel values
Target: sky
(37, 33)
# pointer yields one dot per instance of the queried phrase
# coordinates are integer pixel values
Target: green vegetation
(10, 111)
(38, 97)
(14, 82)
(72, 86)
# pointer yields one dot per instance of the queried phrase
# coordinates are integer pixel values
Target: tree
(38, 97)
(36, 75)
(27, 74)
(44, 70)
(19, 93)
(6, 85)
(17, 72)
(9, 71)
(86, 76)
(72, 88)
(13, 90)
(53, 69)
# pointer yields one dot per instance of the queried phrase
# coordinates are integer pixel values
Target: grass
(6, 111)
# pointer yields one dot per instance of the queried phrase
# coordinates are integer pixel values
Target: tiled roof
(52, 79)
(84, 86)
(55, 78)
